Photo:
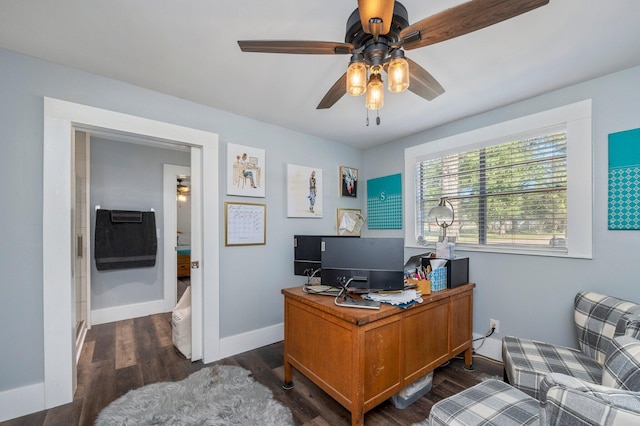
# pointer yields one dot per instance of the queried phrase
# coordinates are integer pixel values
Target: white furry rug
(218, 395)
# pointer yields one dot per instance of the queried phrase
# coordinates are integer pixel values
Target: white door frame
(60, 119)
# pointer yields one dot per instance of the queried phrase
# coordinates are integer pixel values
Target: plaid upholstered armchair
(598, 319)
(552, 385)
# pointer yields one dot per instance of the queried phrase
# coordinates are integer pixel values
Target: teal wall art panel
(624, 180)
(384, 202)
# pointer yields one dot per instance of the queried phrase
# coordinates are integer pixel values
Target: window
(522, 186)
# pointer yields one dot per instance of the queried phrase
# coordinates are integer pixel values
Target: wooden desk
(361, 357)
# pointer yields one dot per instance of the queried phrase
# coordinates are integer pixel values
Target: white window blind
(509, 194)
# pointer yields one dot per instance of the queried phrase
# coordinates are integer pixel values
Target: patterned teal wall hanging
(384, 202)
(624, 180)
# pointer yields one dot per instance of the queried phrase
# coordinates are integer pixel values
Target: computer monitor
(370, 263)
(307, 253)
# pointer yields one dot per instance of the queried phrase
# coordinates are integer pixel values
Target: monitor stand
(358, 303)
(343, 299)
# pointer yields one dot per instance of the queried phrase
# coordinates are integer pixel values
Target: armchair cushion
(490, 402)
(527, 362)
(565, 401)
(622, 365)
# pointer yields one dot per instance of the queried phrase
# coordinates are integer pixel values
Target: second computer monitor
(370, 263)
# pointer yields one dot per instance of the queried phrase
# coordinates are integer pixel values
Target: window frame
(576, 118)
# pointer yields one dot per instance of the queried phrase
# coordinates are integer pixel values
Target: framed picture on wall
(304, 191)
(348, 182)
(350, 222)
(246, 172)
(384, 202)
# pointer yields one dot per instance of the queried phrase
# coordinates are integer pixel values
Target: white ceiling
(188, 49)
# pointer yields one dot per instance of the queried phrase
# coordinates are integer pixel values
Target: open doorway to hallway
(183, 231)
(61, 118)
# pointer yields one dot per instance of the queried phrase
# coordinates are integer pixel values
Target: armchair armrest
(565, 400)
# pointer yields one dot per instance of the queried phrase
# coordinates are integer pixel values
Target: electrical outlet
(496, 324)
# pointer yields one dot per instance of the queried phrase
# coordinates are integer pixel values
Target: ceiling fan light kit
(398, 72)
(356, 76)
(375, 92)
(378, 32)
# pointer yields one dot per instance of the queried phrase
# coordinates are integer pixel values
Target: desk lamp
(443, 215)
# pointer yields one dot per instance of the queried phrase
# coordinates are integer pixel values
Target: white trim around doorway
(60, 118)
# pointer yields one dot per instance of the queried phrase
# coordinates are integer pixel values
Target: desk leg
(357, 417)
(468, 359)
(288, 383)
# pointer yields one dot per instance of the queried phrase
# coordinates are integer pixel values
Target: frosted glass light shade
(356, 78)
(441, 213)
(375, 92)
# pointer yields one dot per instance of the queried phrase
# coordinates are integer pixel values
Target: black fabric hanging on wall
(125, 239)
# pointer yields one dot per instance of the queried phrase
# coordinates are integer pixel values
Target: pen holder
(423, 286)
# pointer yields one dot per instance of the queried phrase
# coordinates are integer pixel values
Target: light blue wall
(532, 296)
(126, 176)
(250, 277)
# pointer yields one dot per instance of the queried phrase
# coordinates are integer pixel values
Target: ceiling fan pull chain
(367, 117)
(377, 117)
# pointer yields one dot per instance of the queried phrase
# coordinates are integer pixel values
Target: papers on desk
(402, 299)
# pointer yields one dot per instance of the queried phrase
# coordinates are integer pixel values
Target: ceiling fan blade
(381, 9)
(296, 46)
(334, 94)
(422, 83)
(463, 19)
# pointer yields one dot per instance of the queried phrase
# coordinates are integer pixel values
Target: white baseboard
(119, 313)
(21, 401)
(492, 348)
(250, 340)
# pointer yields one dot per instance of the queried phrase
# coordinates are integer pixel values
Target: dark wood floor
(125, 355)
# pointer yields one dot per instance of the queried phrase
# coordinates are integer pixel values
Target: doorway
(181, 243)
(183, 231)
(61, 118)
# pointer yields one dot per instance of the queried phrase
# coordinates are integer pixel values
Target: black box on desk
(457, 272)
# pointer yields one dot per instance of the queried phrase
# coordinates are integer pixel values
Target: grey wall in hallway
(127, 176)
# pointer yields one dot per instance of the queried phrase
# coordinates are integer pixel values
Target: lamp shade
(441, 213)
(356, 77)
(398, 72)
(375, 92)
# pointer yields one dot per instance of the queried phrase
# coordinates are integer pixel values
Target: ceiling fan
(378, 32)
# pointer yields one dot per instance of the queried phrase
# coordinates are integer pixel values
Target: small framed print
(246, 173)
(350, 222)
(348, 182)
(304, 191)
